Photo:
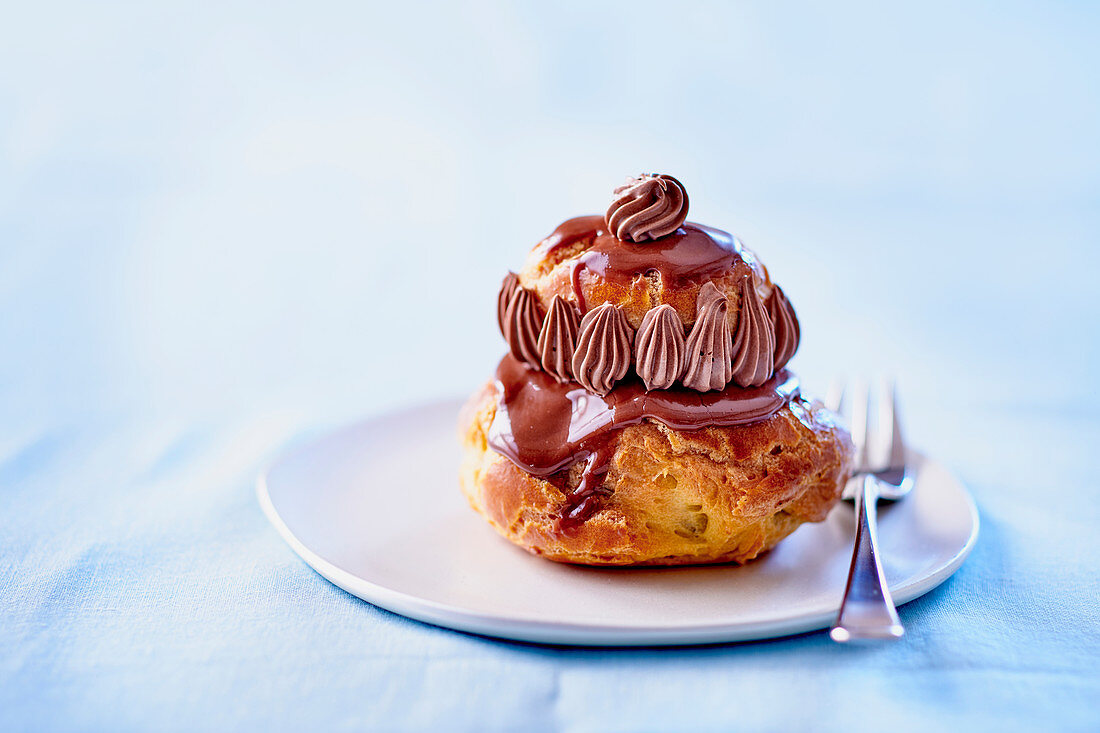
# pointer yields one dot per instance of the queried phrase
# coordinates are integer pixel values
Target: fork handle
(867, 612)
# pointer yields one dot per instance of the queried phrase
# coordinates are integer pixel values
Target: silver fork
(881, 473)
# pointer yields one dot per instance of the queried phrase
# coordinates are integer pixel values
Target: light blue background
(226, 226)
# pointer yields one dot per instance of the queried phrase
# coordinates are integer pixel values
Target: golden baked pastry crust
(719, 494)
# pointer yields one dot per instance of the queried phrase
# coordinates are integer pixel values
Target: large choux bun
(720, 494)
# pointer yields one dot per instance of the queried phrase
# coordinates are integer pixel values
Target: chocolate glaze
(545, 427)
(692, 253)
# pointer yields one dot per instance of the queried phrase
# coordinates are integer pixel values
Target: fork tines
(877, 438)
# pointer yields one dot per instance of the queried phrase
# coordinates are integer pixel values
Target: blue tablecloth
(223, 229)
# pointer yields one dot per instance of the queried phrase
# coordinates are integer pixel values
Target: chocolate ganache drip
(754, 344)
(708, 346)
(692, 254)
(558, 339)
(785, 325)
(544, 426)
(647, 207)
(603, 349)
(659, 347)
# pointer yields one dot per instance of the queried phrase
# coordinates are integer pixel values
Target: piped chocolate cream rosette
(644, 414)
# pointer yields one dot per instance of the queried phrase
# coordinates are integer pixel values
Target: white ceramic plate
(377, 510)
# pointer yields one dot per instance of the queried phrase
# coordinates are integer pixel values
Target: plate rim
(568, 633)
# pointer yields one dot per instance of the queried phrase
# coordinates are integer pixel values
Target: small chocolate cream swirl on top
(659, 347)
(521, 326)
(754, 342)
(708, 345)
(507, 290)
(785, 325)
(558, 339)
(647, 207)
(602, 356)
